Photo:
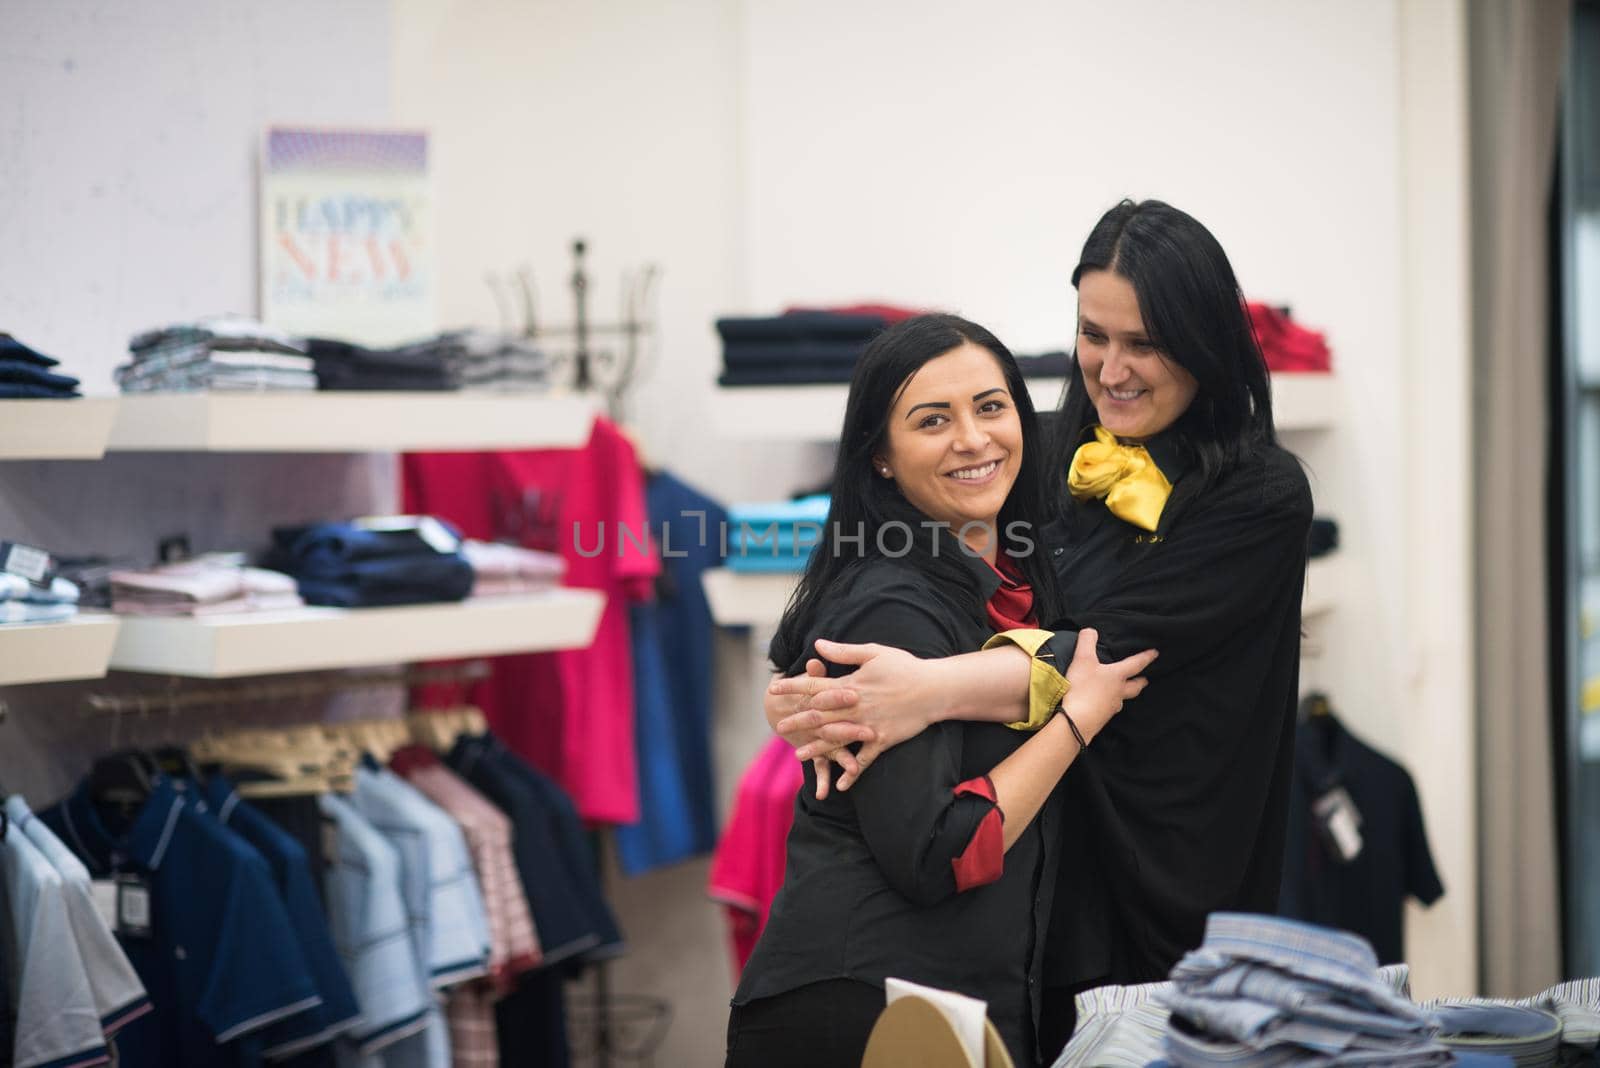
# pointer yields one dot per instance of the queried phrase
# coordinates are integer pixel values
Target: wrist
(942, 696)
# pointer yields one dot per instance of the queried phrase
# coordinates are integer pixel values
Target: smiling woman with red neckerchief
(935, 868)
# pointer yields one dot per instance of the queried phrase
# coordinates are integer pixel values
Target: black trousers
(819, 1025)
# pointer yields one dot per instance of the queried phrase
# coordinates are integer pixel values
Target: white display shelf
(1326, 584)
(74, 428)
(815, 413)
(752, 600)
(1305, 401)
(350, 422)
(743, 599)
(76, 648)
(316, 639)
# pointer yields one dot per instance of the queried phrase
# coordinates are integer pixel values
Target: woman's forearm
(1023, 780)
(990, 686)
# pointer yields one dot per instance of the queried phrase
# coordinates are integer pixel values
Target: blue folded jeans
(349, 566)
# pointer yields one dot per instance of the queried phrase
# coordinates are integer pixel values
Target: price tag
(27, 562)
(1340, 823)
(133, 906)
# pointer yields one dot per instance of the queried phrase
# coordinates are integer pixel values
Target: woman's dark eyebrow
(927, 404)
(1090, 324)
(985, 393)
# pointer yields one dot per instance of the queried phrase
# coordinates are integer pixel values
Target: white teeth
(1123, 395)
(972, 473)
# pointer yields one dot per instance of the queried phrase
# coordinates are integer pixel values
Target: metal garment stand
(610, 368)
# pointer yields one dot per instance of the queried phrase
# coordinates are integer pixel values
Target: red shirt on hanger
(570, 713)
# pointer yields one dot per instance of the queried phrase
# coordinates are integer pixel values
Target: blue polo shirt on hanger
(202, 922)
(291, 871)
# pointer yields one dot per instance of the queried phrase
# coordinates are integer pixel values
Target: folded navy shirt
(12, 349)
(350, 565)
(26, 373)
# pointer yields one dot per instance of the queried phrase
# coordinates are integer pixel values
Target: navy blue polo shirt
(563, 924)
(553, 856)
(291, 870)
(672, 685)
(220, 959)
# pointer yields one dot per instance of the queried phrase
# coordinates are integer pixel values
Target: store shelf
(815, 413)
(743, 599)
(1326, 583)
(747, 600)
(350, 422)
(45, 429)
(1305, 401)
(76, 648)
(315, 639)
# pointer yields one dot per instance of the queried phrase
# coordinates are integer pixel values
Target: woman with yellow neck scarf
(1182, 528)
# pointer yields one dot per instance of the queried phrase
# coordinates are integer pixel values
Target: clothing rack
(612, 373)
(174, 701)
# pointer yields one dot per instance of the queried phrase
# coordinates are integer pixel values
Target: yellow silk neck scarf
(1133, 486)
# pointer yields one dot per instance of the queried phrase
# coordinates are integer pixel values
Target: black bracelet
(1076, 733)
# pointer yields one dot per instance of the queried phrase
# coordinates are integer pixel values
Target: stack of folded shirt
(1264, 990)
(435, 364)
(1286, 344)
(1127, 1025)
(500, 361)
(778, 536)
(796, 348)
(227, 353)
(365, 563)
(507, 569)
(22, 601)
(1045, 364)
(209, 585)
(25, 373)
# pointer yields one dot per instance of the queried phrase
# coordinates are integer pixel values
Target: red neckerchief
(1011, 607)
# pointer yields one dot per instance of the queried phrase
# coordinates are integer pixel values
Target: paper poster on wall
(347, 234)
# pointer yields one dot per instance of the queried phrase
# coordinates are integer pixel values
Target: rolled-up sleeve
(1047, 684)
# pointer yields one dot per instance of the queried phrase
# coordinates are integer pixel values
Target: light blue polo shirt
(119, 996)
(57, 1023)
(367, 912)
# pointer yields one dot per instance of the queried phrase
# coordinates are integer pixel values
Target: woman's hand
(886, 700)
(778, 704)
(1098, 690)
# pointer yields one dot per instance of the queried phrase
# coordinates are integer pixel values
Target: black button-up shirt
(869, 891)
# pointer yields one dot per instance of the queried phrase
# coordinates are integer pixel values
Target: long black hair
(863, 504)
(1195, 315)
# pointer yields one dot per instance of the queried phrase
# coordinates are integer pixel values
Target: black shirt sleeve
(1422, 880)
(906, 808)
